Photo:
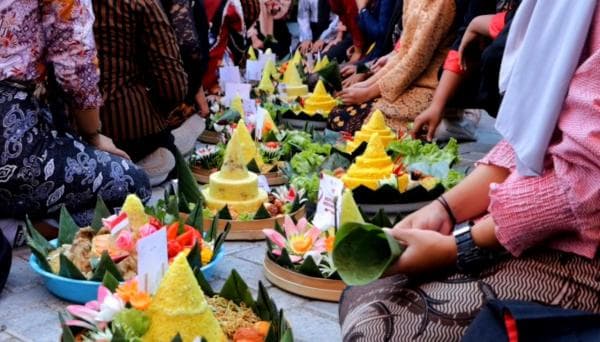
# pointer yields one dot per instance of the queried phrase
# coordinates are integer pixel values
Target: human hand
(381, 62)
(330, 45)
(425, 251)
(317, 46)
(431, 217)
(104, 143)
(354, 79)
(354, 95)
(348, 70)
(304, 47)
(362, 84)
(429, 119)
(202, 102)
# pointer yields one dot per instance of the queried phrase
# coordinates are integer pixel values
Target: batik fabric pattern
(33, 33)
(43, 169)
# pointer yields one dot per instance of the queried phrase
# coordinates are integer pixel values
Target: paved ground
(29, 313)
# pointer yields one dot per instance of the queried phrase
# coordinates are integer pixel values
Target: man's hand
(318, 46)
(430, 118)
(104, 143)
(425, 251)
(304, 47)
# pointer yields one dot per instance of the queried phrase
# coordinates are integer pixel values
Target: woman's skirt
(43, 169)
(398, 309)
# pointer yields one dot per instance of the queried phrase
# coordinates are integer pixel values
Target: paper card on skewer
(263, 183)
(229, 74)
(254, 70)
(153, 260)
(234, 89)
(249, 110)
(264, 57)
(329, 204)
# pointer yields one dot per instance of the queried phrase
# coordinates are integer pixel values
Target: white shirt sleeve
(331, 30)
(304, 20)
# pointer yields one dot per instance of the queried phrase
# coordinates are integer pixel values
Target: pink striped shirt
(561, 208)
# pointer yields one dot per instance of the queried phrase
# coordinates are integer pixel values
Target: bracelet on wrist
(444, 203)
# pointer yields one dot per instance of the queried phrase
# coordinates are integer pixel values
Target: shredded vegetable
(231, 316)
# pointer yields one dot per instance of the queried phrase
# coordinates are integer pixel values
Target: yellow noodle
(231, 316)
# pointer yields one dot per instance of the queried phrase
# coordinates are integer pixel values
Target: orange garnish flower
(127, 290)
(140, 300)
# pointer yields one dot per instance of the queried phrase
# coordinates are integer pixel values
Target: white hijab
(543, 49)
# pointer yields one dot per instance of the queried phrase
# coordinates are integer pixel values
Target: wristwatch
(471, 258)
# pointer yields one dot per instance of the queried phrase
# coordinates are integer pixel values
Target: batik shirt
(36, 33)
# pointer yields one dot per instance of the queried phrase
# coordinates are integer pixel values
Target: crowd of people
(97, 98)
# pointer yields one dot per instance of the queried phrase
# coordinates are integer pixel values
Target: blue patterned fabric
(42, 169)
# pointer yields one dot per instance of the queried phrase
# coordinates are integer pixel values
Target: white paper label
(249, 109)
(264, 57)
(229, 74)
(234, 89)
(153, 260)
(263, 183)
(254, 70)
(329, 204)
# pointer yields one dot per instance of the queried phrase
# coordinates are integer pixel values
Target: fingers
(120, 153)
(417, 126)
(431, 131)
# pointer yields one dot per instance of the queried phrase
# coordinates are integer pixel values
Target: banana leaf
(105, 266)
(196, 219)
(67, 334)
(381, 219)
(187, 183)
(235, 289)
(214, 228)
(100, 212)
(363, 252)
(67, 227)
(262, 213)
(69, 270)
(310, 268)
(110, 282)
(224, 214)
(330, 74)
(253, 166)
(36, 240)
(182, 203)
(194, 258)
(221, 239)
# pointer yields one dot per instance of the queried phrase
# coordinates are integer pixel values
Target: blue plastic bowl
(83, 291)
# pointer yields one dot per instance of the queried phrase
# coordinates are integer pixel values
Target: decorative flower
(288, 195)
(301, 240)
(125, 240)
(96, 314)
(130, 293)
(147, 229)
